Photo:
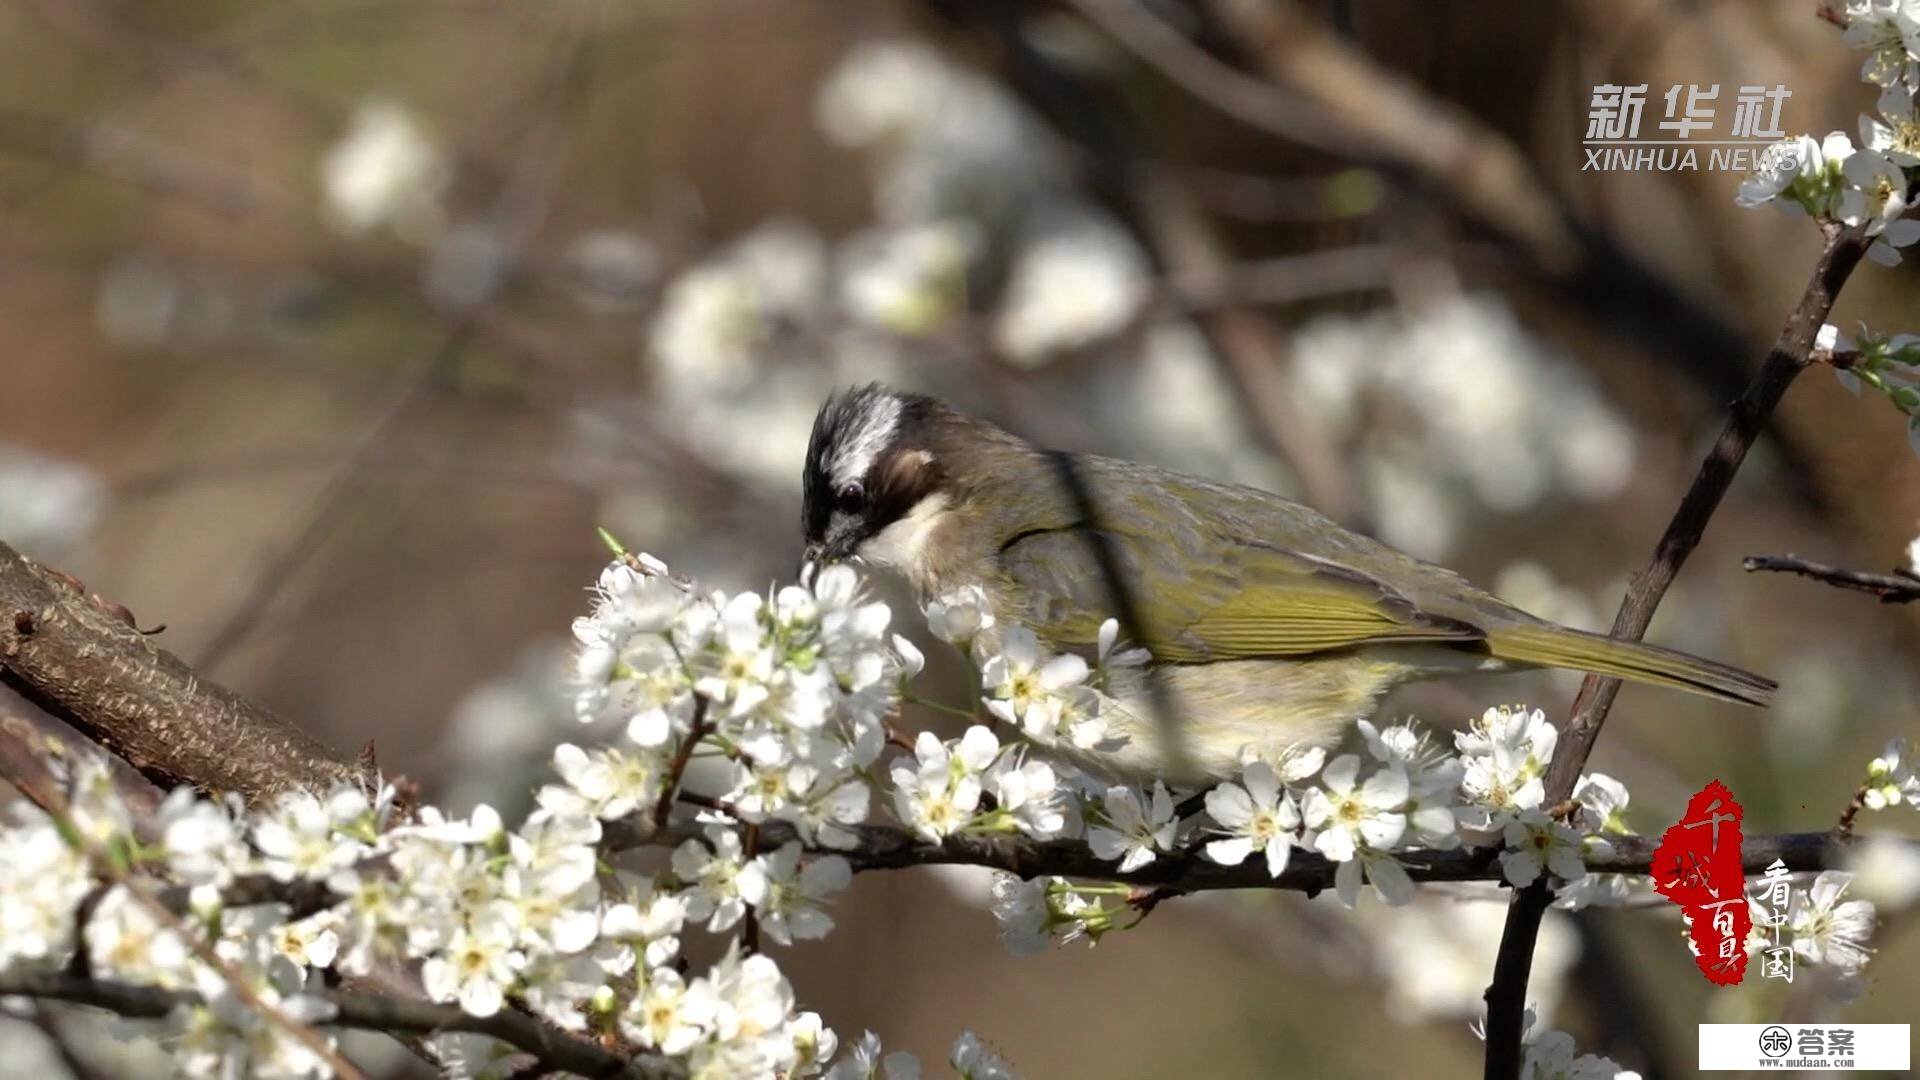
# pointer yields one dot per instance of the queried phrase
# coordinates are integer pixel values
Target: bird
(1269, 627)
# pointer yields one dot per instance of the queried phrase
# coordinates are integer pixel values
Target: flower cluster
(785, 700)
(1358, 810)
(791, 691)
(1553, 1055)
(1831, 179)
(1891, 778)
(1890, 364)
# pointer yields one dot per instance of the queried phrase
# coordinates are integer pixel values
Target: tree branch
(1791, 352)
(555, 1050)
(87, 667)
(889, 847)
(1321, 92)
(1899, 587)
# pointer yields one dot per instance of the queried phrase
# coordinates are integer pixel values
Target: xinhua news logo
(1689, 138)
(1804, 1047)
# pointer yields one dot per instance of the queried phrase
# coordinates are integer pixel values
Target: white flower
(648, 924)
(554, 910)
(466, 1056)
(298, 837)
(1827, 930)
(712, 876)
(1774, 172)
(44, 883)
(1550, 1055)
(46, 504)
(202, 841)
(1523, 730)
(1913, 555)
(715, 319)
(1896, 131)
(972, 1059)
(1134, 833)
(312, 942)
(1886, 872)
(1077, 283)
(1891, 779)
(1024, 687)
(1889, 33)
(1021, 910)
(1900, 233)
(883, 91)
(125, 941)
(939, 796)
(1397, 744)
(755, 1004)
(1602, 813)
(825, 808)
(1112, 653)
(1381, 870)
(912, 661)
(1259, 816)
(737, 677)
(1348, 816)
(1536, 842)
(1295, 764)
(1603, 803)
(813, 1043)
(94, 806)
(384, 173)
(1505, 753)
(864, 1061)
(1876, 193)
(1029, 793)
(1432, 954)
(606, 783)
(478, 965)
(959, 616)
(786, 896)
(668, 1015)
(909, 280)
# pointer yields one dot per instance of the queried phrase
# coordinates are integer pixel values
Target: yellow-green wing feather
(1203, 596)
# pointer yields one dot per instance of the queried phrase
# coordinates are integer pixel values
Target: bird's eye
(849, 496)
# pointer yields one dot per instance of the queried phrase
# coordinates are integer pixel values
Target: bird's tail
(1560, 647)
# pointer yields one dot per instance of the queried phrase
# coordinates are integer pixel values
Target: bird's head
(875, 477)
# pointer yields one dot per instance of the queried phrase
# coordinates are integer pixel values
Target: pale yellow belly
(1218, 712)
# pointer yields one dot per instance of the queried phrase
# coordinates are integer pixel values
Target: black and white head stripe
(851, 432)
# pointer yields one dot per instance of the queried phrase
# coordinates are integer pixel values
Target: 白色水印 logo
(1688, 138)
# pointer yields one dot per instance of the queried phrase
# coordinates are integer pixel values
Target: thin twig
(1899, 587)
(1843, 829)
(676, 768)
(750, 922)
(372, 1012)
(410, 390)
(1507, 993)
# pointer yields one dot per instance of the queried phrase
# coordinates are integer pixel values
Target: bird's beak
(810, 557)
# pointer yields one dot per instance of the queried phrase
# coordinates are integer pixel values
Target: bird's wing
(1200, 596)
